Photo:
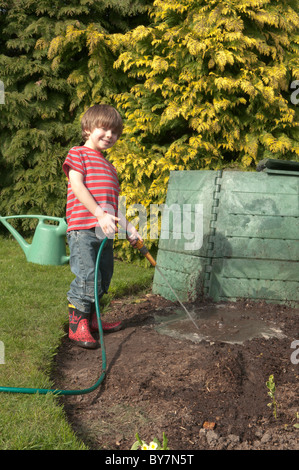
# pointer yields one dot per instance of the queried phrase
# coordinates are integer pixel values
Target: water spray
(144, 251)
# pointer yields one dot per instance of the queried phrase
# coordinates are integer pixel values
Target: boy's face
(101, 139)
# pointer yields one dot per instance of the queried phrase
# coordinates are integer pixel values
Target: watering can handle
(39, 217)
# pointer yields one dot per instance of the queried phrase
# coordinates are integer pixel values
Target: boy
(92, 207)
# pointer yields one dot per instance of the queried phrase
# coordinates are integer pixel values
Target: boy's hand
(107, 222)
(133, 235)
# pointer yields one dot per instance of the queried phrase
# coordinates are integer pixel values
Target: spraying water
(144, 251)
(176, 296)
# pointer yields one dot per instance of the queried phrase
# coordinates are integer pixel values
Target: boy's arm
(106, 221)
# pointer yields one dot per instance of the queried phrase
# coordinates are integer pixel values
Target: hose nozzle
(144, 251)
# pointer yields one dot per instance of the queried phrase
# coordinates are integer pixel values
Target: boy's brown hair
(101, 115)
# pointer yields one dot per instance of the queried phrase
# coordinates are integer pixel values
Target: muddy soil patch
(204, 395)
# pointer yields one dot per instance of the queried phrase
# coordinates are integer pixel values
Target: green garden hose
(44, 391)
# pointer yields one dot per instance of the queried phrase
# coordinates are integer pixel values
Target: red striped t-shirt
(100, 178)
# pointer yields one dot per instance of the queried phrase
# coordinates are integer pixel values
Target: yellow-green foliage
(211, 90)
(212, 82)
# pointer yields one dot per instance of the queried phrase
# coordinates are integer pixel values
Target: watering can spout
(48, 244)
(23, 244)
(64, 259)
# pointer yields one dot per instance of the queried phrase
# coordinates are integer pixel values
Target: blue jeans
(84, 246)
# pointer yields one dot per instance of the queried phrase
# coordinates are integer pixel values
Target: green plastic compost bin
(249, 241)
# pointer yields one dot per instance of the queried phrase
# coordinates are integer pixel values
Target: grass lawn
(33, 312)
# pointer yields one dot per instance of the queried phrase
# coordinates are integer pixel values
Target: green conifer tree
(44, 98)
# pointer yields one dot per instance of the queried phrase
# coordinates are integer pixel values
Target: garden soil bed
(207, 395)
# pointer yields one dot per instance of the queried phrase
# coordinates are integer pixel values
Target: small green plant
(272, 389)
(153, 445)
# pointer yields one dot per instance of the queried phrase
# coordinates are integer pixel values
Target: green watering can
(48, 244)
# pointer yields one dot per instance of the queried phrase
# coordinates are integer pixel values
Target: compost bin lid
(278, 166)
